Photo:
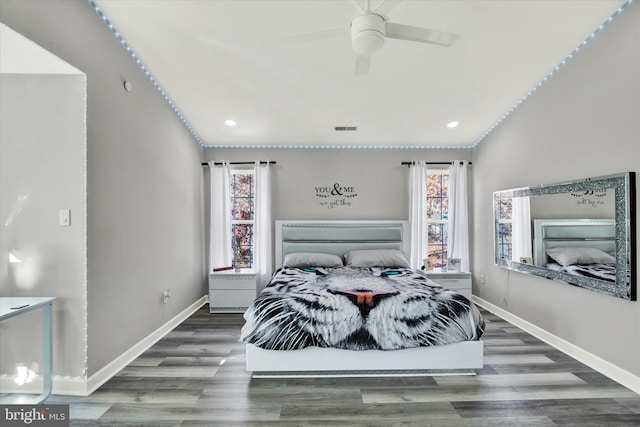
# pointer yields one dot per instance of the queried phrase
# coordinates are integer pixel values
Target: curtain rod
(262, 162)
(430, 163)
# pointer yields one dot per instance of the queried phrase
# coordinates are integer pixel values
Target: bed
(345, 352)
(580, 247)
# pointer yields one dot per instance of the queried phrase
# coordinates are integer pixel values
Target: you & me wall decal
(336, 195)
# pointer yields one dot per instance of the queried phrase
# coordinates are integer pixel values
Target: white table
(15, 306)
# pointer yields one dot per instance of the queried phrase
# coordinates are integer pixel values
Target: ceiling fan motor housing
(367, 34)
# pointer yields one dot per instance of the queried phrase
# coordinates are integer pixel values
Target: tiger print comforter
(358, 309)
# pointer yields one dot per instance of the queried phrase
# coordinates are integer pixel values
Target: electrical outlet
(482, 280)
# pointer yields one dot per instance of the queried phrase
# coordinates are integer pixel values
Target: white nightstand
(459, 281)
(231, 292)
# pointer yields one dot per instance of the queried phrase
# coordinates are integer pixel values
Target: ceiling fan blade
(387, 6)
(315, 35)
(362, 64)
(421, 35)
(359, 8)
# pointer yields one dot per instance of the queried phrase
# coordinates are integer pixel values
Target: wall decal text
(336, 195)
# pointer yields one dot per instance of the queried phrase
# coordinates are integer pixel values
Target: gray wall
(376, 175)
(144, 181)
(584, 122)
(42, 141)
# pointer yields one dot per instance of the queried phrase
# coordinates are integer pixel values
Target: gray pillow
(311, 259)
(572, 256)
(376, 258)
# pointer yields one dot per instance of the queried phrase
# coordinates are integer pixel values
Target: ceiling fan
(369, 30)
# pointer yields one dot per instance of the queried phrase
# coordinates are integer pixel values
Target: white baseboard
(597, 363)
(115, 366)
(85, 386)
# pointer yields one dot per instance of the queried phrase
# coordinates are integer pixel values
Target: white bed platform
(452, 359)
(337, 237)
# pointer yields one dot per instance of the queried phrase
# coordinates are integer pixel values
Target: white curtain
(220, 221)
(521, 228)
(418, 213)
(262, 248)
(458, 225)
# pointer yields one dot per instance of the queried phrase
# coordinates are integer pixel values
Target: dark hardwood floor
(195, 377)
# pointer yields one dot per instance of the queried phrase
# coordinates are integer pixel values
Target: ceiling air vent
(346, 128)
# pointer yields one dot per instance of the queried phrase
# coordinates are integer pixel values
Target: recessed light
(452, 125)
(230, 122)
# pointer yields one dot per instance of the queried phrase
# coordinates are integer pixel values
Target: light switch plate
(65, 217)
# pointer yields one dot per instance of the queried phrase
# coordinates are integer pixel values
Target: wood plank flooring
(195, 377)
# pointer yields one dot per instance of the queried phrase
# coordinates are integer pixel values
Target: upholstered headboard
(574, 233)
(338, 237)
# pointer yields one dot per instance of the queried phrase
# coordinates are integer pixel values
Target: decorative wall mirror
(580, 232)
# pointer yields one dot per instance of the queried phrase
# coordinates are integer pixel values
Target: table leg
(47, 350)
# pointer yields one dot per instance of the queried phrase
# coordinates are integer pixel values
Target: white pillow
(376, 258)
(311, 259)
(572, 256)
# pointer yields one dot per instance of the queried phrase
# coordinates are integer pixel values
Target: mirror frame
(625, 230)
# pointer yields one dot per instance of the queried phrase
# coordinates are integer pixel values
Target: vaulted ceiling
(218, 60)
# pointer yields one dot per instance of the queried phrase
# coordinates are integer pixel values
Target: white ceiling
(220, 60)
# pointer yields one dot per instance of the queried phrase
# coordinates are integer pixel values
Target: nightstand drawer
(462, 287)
(231, 292)
(240, 299)
(456, 281)
(232, 281)
(233, 284)
(451, 283)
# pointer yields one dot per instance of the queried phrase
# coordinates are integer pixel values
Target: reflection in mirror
(581, 233)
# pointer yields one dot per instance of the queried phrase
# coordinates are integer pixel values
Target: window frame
(443, 223)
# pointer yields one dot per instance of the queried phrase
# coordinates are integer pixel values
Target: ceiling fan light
(367, 34)
(367, 42)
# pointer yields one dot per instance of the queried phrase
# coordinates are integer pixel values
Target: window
(505, 228)
(242, 217)
(437, 216)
